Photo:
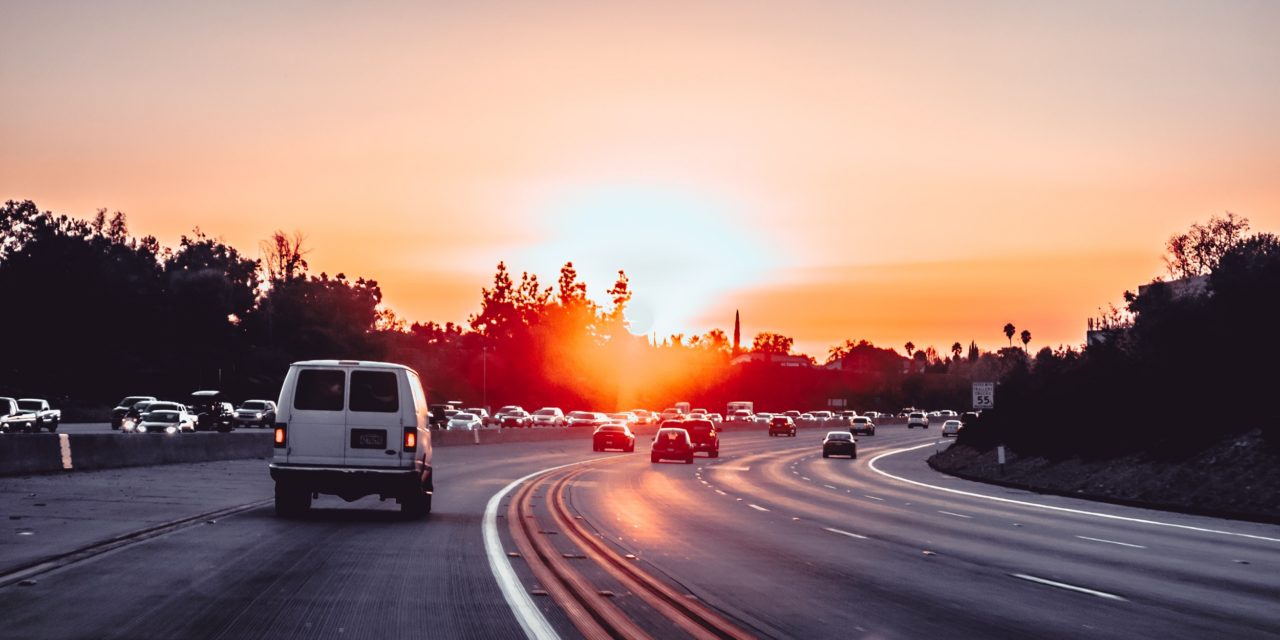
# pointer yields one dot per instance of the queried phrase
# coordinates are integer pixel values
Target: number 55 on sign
(984, 395)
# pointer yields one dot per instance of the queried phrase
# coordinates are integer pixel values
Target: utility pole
(484, 376)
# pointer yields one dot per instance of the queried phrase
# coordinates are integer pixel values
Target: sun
(683, 250)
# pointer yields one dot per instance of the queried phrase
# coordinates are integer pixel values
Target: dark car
(862, 425)
(671, 443)
(702, 433)
(440, 415)
(613, 436)
(839, 443)
(212, 411)
(782, 426)
(516, 418)
(260, 413)
(122, 409)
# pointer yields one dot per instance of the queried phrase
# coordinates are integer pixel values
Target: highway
(769, 540)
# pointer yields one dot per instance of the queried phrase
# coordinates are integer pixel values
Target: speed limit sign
(984, 395)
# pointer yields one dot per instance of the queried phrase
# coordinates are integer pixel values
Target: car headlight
(170, 429)
(142, 429)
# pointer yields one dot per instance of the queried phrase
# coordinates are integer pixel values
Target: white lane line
(1069, 587)
(721, 492)
(958, 515)
(535, 625)
(757, 507)
(844, 533)
(831, 487)
(805, 478)
(873, 497)
(1123, 544)
(1024, 503)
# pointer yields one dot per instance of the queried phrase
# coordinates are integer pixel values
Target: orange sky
(891, 171)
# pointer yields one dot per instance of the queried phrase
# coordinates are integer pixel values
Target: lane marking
(873, 497)
(831, 487)
(805, 478)
(64, 444)
(844, 533)
(1024, 503)
(721, 492)
(1068, 587)
(958, 515)
(1123, 544)
(757, 507)
(535, 625)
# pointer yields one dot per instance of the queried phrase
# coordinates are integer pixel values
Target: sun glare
(682, 250)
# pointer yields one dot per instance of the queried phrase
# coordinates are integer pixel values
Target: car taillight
(410, 438)
(281, 434)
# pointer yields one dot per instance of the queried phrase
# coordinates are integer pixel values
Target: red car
(671, 443)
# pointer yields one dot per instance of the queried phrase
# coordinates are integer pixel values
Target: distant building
(1182, 287)
(1104, 330)
(772, 358)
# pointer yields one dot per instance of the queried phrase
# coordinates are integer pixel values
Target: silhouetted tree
(1198, 251)
(1026, 339)
(956, 350)
(773, 343)
(1009, 330)
(910, 347)
(284, 257)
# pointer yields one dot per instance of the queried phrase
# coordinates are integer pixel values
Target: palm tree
(1008, 332)
(1026, 338)
(955, 350)
(910, 346)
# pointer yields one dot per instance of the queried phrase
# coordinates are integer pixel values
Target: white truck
(740, 405)
(13, 419)
(46, 417)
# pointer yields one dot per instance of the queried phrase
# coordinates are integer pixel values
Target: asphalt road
(778, 539)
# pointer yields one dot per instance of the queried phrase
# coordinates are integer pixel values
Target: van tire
(415, 505)
(292, 502)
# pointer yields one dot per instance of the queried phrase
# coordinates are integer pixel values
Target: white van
(352, 428)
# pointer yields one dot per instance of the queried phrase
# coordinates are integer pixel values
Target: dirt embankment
(1236, 478)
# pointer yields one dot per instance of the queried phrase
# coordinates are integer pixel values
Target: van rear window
(375, 391)
(320, 390)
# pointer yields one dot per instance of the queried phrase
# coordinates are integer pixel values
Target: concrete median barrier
(42, 453)
(29, 453)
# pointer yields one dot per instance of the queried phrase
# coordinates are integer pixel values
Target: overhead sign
(835, 402)
(984, 395)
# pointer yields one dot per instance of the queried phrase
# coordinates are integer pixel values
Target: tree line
(94, 313)
(1194, 363)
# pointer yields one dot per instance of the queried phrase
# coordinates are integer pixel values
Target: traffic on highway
(357, 525)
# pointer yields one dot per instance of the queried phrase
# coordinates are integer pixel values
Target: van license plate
(368, 439)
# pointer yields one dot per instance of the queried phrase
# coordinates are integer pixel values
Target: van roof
(350, 363)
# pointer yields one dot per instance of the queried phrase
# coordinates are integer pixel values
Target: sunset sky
(892, 171)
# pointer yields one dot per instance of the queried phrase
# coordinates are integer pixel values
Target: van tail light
(282, 434)
(410, 438)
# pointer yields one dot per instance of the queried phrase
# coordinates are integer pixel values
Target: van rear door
(374, 431)
(317, 420)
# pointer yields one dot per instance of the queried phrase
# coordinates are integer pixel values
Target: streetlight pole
(484, 376)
